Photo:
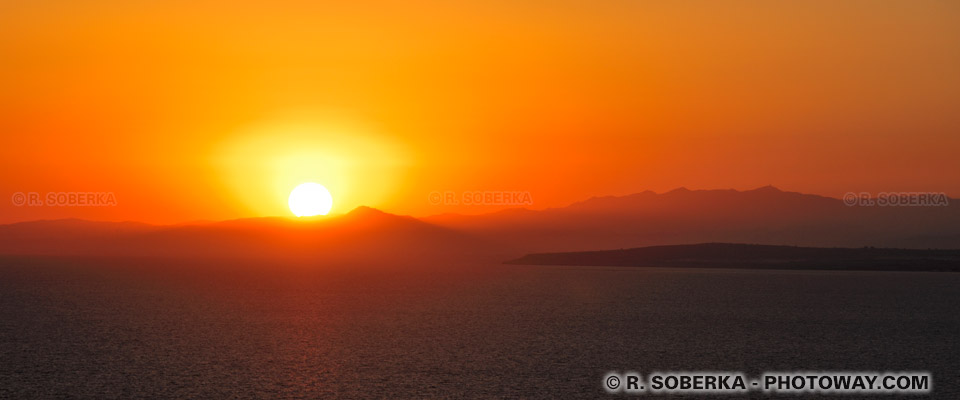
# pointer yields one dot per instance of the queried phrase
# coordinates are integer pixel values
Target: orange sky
(189, 110)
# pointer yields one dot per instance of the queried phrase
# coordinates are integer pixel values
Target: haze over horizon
(764, 215)
(479, 211)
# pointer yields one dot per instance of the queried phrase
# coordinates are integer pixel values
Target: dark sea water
(123, 330)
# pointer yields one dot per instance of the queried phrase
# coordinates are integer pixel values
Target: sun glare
(309, 199)
(261, 162)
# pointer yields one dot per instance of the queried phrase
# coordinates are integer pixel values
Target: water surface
(111, 329)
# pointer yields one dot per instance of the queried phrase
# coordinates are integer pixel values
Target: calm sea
(122, 330)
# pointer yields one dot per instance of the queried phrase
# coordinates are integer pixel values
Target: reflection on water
(452, 330)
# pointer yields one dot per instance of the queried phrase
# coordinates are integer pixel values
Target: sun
(309, 199)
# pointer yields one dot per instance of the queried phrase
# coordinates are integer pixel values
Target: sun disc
(309, 199)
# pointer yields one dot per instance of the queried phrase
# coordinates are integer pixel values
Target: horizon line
(196, 222)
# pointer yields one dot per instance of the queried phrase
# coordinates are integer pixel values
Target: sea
(129, 328)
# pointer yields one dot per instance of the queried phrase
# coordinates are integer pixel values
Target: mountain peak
(365, 211)
(364, 214)
(767, 189)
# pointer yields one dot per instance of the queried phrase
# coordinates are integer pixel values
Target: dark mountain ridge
(765, 215)
(752, 256)
(362, 234)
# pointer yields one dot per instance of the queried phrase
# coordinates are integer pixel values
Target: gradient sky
(190, 110)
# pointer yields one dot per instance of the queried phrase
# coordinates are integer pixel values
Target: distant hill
(363, 234)
(727, 255)
(765, 215)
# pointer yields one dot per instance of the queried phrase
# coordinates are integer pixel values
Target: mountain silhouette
(362, 234)
(765, 215)
(733, 255)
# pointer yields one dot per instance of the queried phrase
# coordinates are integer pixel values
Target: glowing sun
(309, 199)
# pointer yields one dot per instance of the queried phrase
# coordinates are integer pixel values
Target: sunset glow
(216, 111)
(260, 164)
